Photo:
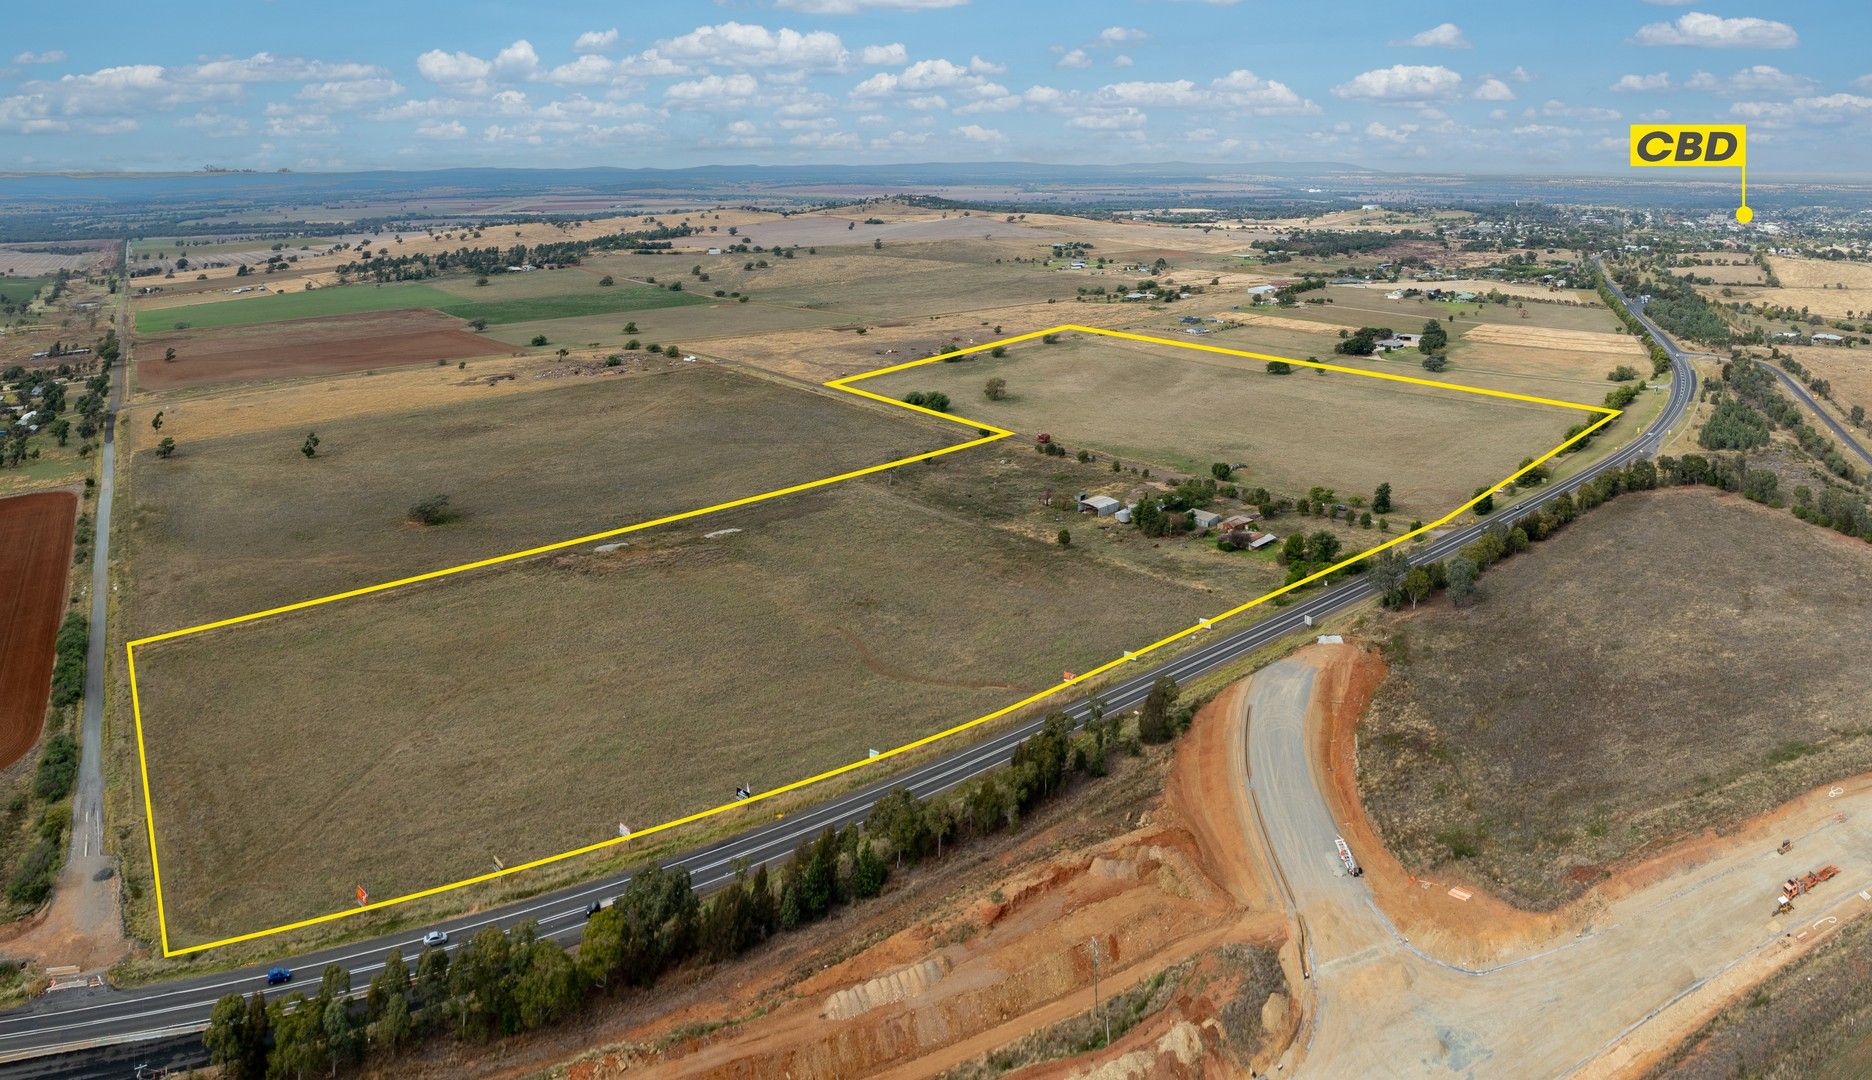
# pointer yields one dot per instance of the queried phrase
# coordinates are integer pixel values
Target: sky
(1444, 87)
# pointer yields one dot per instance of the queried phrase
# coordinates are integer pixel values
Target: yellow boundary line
(994, 434)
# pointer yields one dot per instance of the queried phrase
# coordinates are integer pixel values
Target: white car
(435, 937)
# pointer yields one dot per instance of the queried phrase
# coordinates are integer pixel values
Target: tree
(1293, 549)
(166, 447)
(228, 1038)
(1417, 585)
(1221, 470)
(477, 325)
(156, 421)
(1386, 574)
(1381, 499)
(1321, 547)
(394, 1028)
(995, 389)
(1435, 363)
(168, 356)
(1461, 576)
(1065, 538)
(538, 340)
(1434, 339)
(868, 873)
(1279, 367)
(630, 328)
(61, 430)
(1154, 717)
(310, 447)
(1487, 505)
(606, 280)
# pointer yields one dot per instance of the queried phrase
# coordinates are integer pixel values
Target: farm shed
(1205, 519)
(1102, 505)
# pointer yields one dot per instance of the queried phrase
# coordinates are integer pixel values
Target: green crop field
(573, 295)
(16, 291)
(277, 307)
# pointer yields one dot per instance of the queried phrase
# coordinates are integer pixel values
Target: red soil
(36, 533)
(325, 346)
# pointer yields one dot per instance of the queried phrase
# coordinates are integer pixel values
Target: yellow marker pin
(1694, 146)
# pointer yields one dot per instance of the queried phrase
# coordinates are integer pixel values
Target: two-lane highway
(73, 1021)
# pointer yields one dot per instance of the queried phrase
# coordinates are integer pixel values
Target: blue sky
(1520, 86)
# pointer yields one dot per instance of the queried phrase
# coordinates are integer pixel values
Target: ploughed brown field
(35, 555)
(327, 346)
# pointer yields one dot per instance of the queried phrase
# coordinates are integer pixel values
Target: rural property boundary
(987, 433)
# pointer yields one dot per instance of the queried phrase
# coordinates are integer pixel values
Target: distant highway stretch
(76, 1023)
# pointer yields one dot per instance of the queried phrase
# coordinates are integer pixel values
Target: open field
(412, 738)
(1621, 346)
(35, 557)
(1672, 662)
(507, 298)
(1831, 288)
(22, 261)
(300, 347)
(234, 524)
(1156, 404)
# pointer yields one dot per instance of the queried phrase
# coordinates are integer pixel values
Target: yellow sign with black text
(1694, 145)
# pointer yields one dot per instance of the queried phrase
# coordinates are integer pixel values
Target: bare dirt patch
(1542, 337)
(35, 561)
(326, 346)
(1598, 703)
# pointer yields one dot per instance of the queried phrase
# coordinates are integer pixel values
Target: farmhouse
(1205, 519)
(1102, 505)
(1262, 290)
(1237, 521)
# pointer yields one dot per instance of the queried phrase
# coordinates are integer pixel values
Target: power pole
(1095, 994)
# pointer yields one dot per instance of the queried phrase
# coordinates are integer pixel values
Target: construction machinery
(1798, 886)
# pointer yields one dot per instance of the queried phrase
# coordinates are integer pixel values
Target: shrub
(433, 510)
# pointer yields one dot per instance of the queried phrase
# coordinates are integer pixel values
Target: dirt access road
(1596, 1001)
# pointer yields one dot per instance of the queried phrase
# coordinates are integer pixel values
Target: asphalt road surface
(73, 1022)
(1840, 431)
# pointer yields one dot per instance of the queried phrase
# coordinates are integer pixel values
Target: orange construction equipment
(1796, 886)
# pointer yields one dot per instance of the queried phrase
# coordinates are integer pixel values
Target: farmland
(519, 470)
(307, 347)
(574, 693)
(35, 555)
(562, 294)
(1166, 406)
(1560, 727)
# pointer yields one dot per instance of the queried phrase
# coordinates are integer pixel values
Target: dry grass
(1619, 346)
(1672, 662)
(234, 524)
(1156, 404)
(1849, 370)
(414, 738)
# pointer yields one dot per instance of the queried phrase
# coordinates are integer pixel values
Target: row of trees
(503, 984)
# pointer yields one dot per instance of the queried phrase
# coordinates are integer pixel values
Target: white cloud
(1442, 36)
(1109, 120)
(1714, 32)
(452, 68)
(713, 90)
(1399, 134)
(854, 7)
(1637, 84)
(1755, 81)
(517, 60)
(928, 75)
(1401, 82)
(986, 67)
(881, 55)
(351, 94)
(1120, 35)
(826, 140)
(1492, 89)
(592, 41)
(215, 124)
(1121, 60)
(588, 70)
(1076, 58)
(1827, 109)
(1240, 90)
(928, 102)
(442, 129)
(979, 134)
(292, 125)
(50, 56)
(1521, 74)
(734, 44)
(266, 67)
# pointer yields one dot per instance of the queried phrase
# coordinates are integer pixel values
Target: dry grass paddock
(1673, 661)
(1161, 405)
(238, 523)
(416, 737)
